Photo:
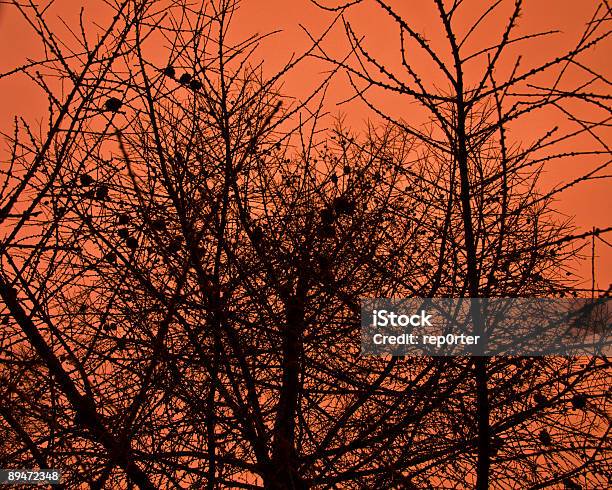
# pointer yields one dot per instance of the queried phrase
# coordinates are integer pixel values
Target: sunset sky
(226, 232)
(589, 202)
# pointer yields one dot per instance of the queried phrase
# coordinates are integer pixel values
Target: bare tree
(183, 257)
(503, 234)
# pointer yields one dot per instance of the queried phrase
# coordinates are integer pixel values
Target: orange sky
(589, 203)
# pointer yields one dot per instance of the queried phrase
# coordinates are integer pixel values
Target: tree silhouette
(185, 249)
(505, 225)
